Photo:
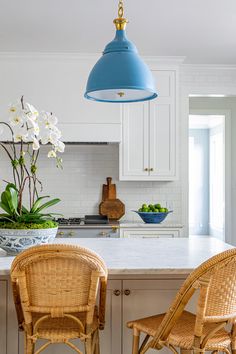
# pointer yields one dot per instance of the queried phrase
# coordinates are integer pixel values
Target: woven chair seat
(63, 327)
(182, 334)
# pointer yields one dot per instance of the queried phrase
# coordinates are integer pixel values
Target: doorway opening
(207, 174)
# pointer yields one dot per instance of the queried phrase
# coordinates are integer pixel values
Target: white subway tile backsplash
(79, 183)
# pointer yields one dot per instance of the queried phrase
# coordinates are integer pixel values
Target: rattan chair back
(216, 281)
(58, 281)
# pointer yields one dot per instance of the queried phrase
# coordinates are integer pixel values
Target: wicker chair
(215, 280)
(55, 289)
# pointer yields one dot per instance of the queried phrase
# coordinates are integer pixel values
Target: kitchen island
(144, 276)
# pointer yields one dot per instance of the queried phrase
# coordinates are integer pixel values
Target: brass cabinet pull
(71, 233)
(127, 292)
(103, 233)
(151, 169)
(117, 292)
(61, 233)
(146, 169)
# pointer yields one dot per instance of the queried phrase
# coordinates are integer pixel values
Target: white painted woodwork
(148, 150)
(3, 316)
(111, 337)
(147, 298)
(135, 138)
(150, 233)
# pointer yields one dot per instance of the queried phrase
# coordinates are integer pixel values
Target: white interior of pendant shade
(113, 95)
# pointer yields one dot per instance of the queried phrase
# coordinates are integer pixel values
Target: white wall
(219, 104)
(79, 184)
(201, 80)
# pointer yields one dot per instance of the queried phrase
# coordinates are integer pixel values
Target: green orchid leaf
(38, 203)
(24, 210)
(6, 217)
(13, 199)
(49, 204)
(11, 185)
(5, 207)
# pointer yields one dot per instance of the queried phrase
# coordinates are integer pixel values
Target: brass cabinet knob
(103, 233)
(61, 233)
(151, 169)
(146, 169)
(117, 292)
(127, 292)
(114, 228)
(71, 233)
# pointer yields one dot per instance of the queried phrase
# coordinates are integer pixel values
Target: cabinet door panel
(134, 147)
(3, 316)
(147, 298)
(162, 140)
(162, 148)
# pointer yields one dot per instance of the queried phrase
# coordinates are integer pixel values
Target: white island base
(144, 276)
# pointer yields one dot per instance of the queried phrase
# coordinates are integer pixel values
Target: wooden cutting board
(108, 190)
(113, 208)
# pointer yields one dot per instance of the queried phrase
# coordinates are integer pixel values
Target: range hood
(86, 133)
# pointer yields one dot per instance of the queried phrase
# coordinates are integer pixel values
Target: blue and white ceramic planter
(14, 241)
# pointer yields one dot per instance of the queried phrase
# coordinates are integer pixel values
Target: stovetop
(69, 221)
(87, 220)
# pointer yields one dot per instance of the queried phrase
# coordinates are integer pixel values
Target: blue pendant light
(120, 75)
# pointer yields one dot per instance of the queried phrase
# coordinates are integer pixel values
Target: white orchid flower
(20, 130)
(56, 131)
(20, 135)
(44, 135)
(54, 138)
(52, 154)
(33, 126)
(33, 111)
(16, 120)
(60, 146)
(52, 119)
(35, 145)
(15, 107)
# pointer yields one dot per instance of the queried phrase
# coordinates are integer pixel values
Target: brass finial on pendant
(120, 21)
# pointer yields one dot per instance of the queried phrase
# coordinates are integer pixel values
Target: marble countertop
(144, 256)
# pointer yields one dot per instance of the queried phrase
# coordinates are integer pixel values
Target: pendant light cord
(121, 9)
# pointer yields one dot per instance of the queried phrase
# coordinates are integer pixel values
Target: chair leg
(29, 345)
(88, 346)
(136, 336)
(97, 344)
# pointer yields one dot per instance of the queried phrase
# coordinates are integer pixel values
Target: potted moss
(22, 226)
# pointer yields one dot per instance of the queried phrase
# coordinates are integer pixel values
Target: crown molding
(175, 60)
(93, 57)
(196, 67)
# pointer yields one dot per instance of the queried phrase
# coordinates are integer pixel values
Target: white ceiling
(202, 30)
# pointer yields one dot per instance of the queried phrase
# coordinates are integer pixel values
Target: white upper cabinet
(149, 148)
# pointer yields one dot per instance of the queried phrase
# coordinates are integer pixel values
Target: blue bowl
(152, 218)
